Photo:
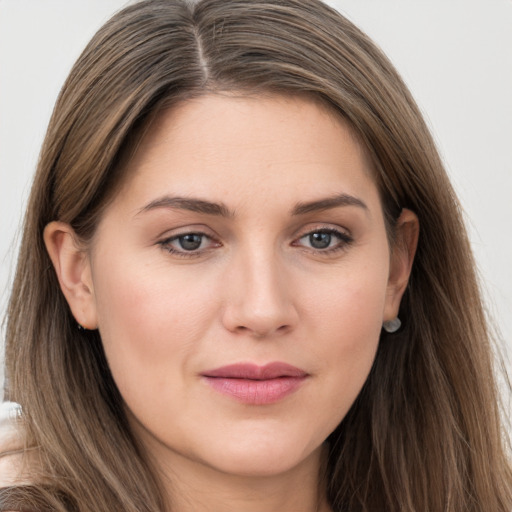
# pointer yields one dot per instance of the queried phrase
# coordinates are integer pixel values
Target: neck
(193, 487)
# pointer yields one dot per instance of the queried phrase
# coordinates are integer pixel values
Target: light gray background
(456, 56)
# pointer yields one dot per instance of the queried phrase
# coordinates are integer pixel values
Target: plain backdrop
(455, 55)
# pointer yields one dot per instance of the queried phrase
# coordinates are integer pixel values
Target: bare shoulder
(11, 467)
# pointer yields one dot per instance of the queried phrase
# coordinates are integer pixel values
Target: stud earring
(392, 326)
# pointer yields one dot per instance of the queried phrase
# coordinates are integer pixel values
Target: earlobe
(402, 257)
(73, 269)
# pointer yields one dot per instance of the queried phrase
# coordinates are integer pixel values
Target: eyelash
(344, 240)
(183, 253)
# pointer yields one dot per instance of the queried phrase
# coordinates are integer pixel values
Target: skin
(258, 289)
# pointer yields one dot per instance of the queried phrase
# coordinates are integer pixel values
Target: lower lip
(256, 392)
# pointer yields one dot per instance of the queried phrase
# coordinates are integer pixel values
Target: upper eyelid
(186, 230)
(344, 237)
(203, 230)
(322, 227)
(171, 238)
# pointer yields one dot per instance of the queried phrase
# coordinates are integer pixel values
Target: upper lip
(255, 372)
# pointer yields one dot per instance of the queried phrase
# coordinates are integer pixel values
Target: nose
(258, 296)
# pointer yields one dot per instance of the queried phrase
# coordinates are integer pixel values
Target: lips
(256, 385)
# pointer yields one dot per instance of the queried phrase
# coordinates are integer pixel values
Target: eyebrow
(185, 203)
(328, 203)
(221, 210)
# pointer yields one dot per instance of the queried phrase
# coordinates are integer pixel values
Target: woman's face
(239, 281)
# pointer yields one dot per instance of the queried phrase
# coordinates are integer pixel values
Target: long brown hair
(425, 431)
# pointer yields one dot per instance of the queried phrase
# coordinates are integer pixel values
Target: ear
(402, 256)
(73, 269)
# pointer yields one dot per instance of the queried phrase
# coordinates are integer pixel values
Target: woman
(244, 283)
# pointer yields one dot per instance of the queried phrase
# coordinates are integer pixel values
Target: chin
(263, 459)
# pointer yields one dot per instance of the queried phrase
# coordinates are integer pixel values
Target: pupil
(190, 242)
(320, 240)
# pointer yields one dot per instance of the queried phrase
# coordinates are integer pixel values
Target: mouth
(256, 385)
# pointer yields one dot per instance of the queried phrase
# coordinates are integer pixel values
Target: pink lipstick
(256, 385)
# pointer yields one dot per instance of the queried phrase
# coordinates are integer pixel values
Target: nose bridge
(258, 299)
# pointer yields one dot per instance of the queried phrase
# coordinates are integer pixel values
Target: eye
(190, 241)
(324, 240)
(188, 244)
(320, 240)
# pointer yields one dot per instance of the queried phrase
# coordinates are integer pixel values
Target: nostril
(262, 331)
(261, 309)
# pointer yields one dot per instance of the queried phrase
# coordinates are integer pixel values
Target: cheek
(148, 317)
(350, 305)
(348, 320)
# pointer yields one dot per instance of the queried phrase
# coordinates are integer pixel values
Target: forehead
(221, 142)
